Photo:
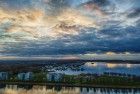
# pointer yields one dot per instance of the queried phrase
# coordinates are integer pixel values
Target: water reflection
(14, 89)
(101, 67)
(111, 65)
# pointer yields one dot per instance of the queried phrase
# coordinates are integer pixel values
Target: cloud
(134, 13)
(48, 27)
(32, 21)
(95, 9)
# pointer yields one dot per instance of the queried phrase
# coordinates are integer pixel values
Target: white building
(54, 76)
(3, 75)
(25, 76)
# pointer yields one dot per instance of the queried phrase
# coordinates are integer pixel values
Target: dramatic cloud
(49, 27)
(134, 13)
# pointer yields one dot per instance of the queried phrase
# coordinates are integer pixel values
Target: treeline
(83, 79)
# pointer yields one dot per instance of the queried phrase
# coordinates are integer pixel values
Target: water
(20, 89)
(78, 68)
(98, 68)
(70, 68)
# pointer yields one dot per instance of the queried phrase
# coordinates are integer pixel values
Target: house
(3, 75)
(25, 76)
(54, 76)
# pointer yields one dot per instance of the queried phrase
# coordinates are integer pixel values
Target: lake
(95, 68)
(71, 68)
(36, 89)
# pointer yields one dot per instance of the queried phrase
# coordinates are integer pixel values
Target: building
(25, 76)
(3, 75)
(54, 76)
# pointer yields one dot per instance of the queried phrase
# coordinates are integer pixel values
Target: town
(107, 78)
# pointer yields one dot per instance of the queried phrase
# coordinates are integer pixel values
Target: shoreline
(72, 85)
(34, 61)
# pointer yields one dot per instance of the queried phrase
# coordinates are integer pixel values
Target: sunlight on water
(13, 89)
(38, 90)
(100, 68)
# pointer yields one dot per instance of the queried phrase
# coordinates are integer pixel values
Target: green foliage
(39, 77)
(82, 79)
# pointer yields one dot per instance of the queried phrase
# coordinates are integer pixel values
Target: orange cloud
(95, 9)
(38, 24)
(110, 53)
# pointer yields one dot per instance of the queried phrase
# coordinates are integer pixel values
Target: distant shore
(67, 61)
(71, 85)
(30, 65)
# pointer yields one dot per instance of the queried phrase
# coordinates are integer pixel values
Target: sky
(69, 27)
